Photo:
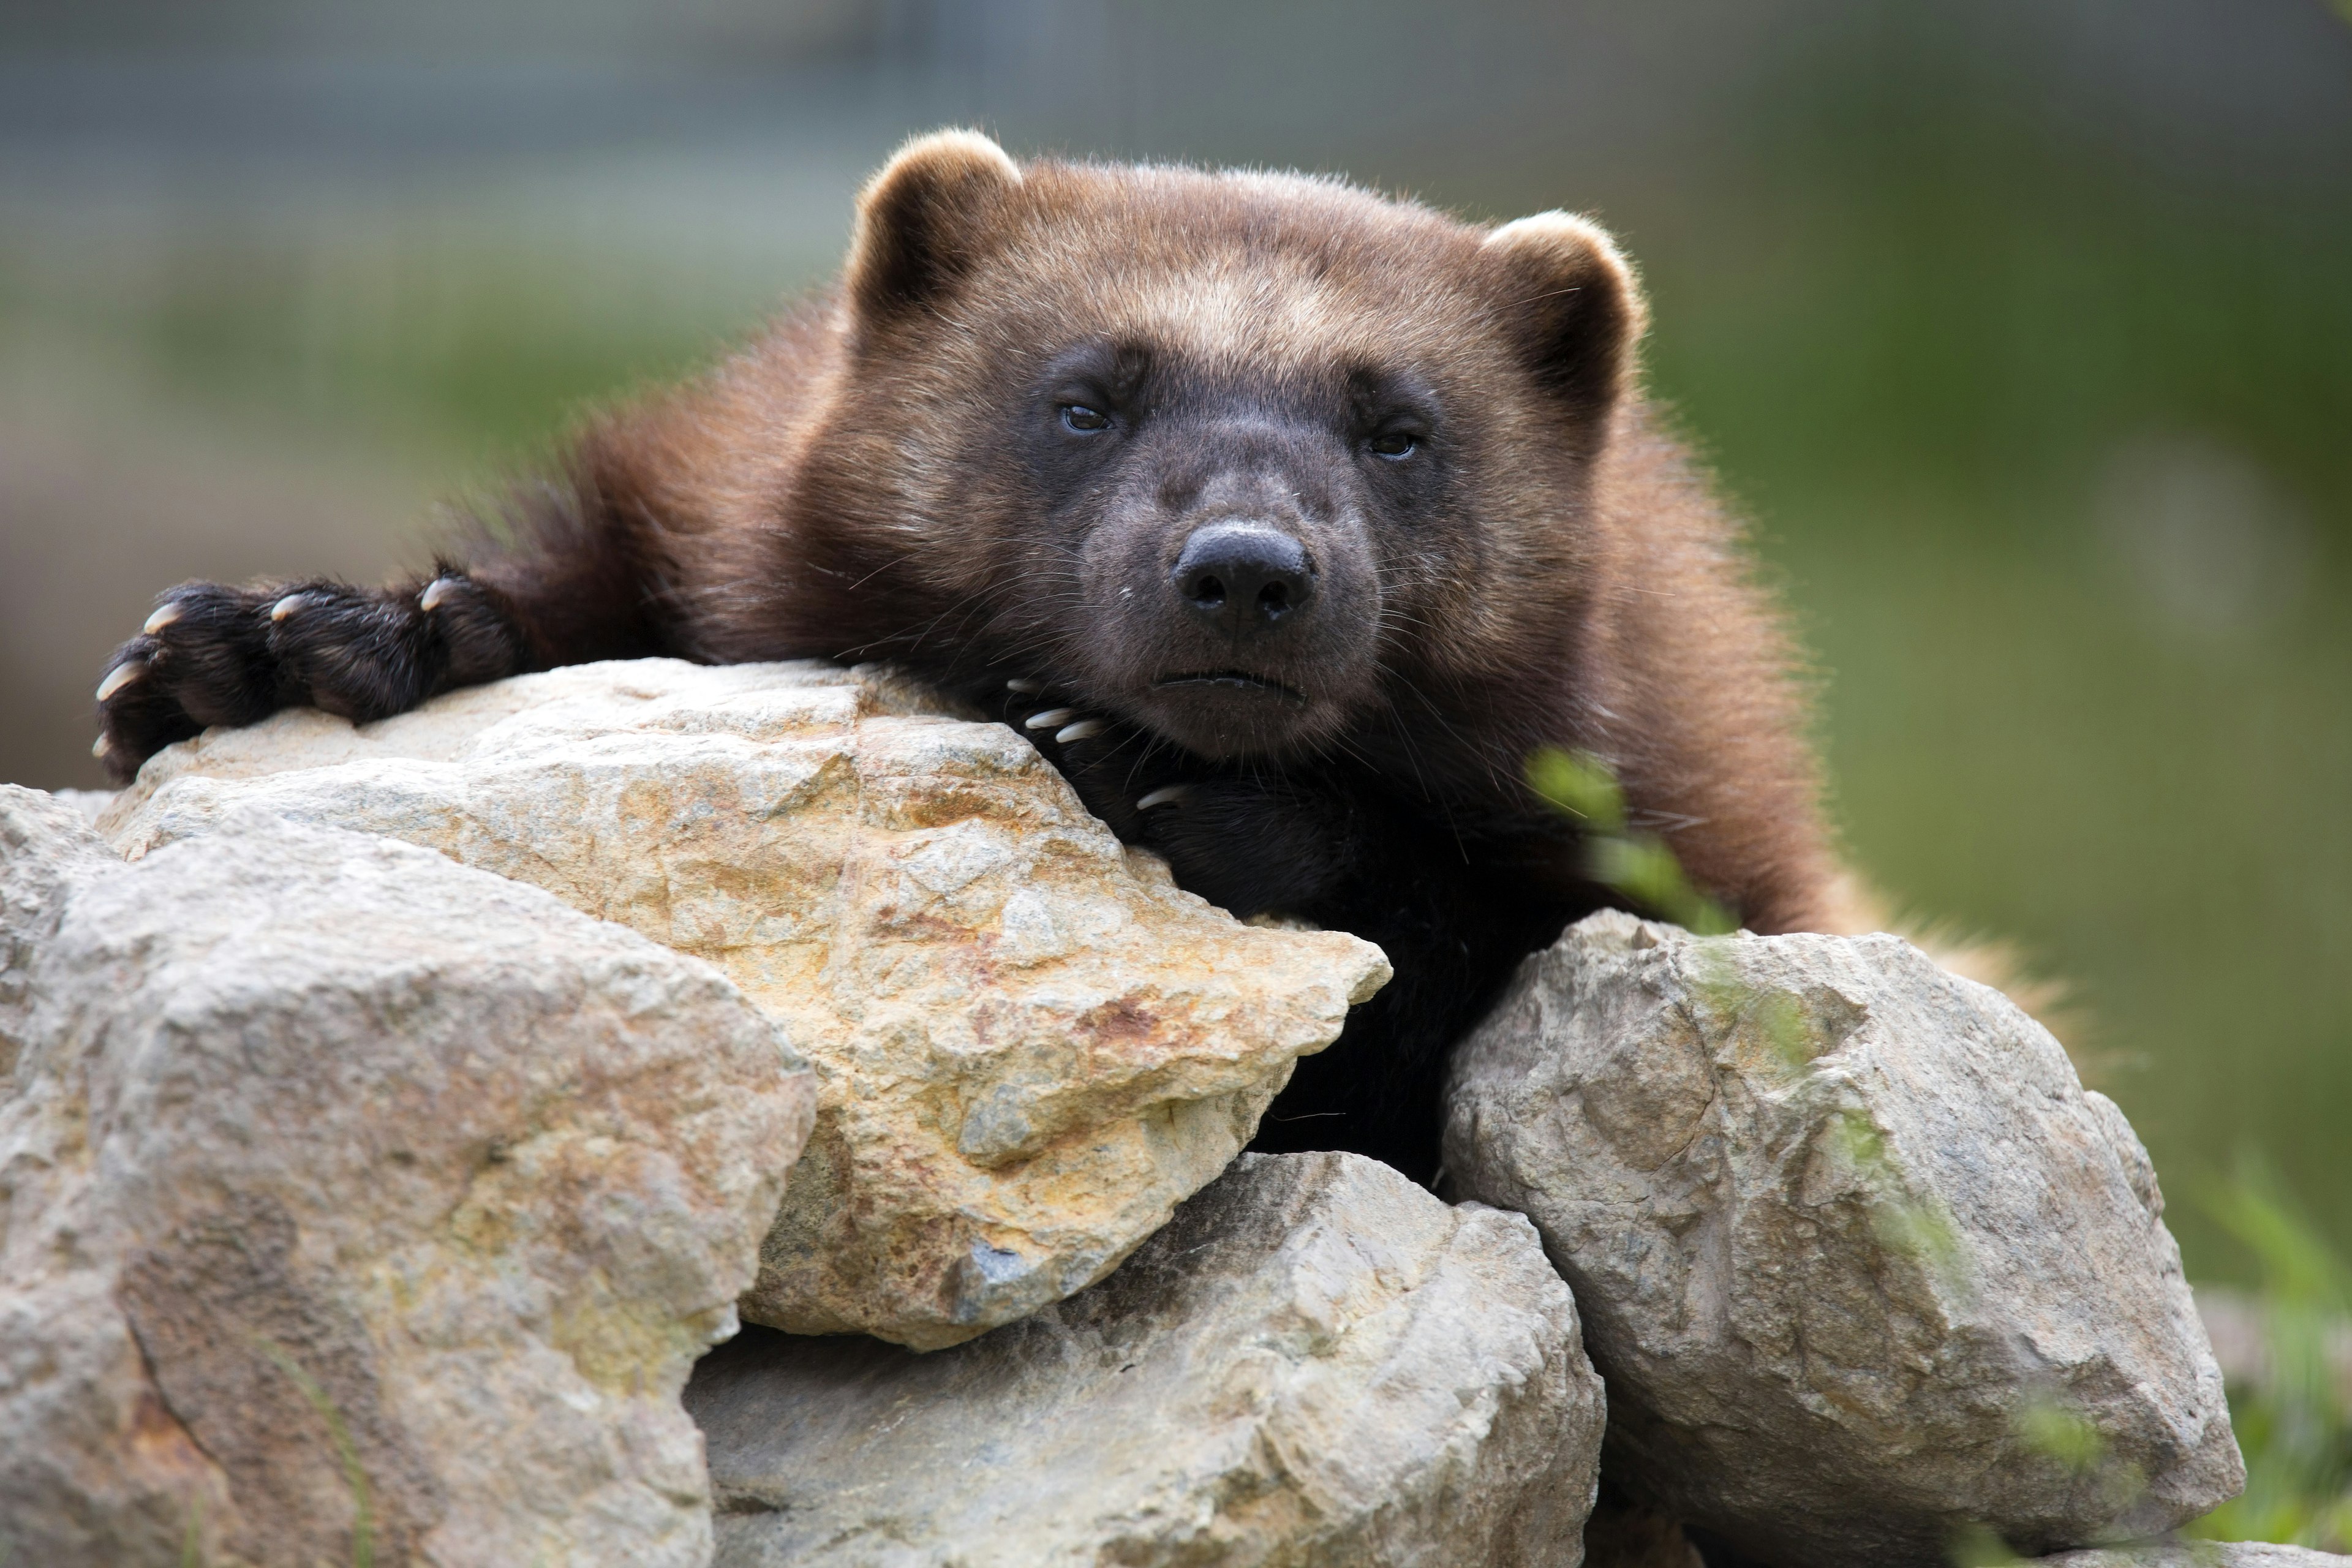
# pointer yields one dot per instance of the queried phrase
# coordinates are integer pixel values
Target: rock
(1031, 1045)
(1864, 1265)
(1316, 1363)
(2196, 1554)
(44, 844)
(328, 1165)
(88, 804)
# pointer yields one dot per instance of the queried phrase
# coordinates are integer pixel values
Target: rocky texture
(323, 1157)
(88, 804)
(1316, 1363)
(1863, 1263)
(2198, 1555)
(1031, 1043)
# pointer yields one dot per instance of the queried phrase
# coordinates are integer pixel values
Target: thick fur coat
(1289, 520)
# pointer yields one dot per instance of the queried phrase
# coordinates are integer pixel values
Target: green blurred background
(2022, 329)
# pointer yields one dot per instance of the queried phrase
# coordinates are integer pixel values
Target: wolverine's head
(1234, 456)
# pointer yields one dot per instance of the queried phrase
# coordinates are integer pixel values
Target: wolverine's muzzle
(1246, 582)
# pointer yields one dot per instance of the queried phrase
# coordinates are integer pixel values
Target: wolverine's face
(1231, 536)
(1240, 459)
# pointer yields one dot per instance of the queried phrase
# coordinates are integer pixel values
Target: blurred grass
(2294, 1420)
(1930, 349)
(474, 353)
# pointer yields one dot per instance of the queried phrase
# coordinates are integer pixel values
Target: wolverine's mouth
(1230, 681)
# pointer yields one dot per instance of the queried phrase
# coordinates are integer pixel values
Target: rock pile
(349, 1194)
(1029, 1044)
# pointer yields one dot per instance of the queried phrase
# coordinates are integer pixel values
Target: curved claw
(120, 676)
(165, 613)
(1166, 794)
(1051, 718)
(439, 589)
(1082, 729)
(286, 606)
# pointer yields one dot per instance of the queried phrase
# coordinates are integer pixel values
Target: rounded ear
(917, 220)
(1573, 300)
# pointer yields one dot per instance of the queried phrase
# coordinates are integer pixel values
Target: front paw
(1256, 846)
(202, 658)
(1123, 774)
(1246, 837)
(215, 654)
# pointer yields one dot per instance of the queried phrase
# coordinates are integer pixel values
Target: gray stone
(89, 805)
(1316, 1363)
(1865, 1266)
(329, 1165)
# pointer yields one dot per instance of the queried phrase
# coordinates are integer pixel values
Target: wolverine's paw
(214, 655)
(1240, 836)
(1121, 773)
(1255, 845)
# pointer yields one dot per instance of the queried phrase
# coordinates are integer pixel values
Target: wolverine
(1289, 520)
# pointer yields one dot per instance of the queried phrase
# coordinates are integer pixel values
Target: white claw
(440, 588)
(120, 676)
(1079, 730)
(99, 747)
(1050, 719)
(1166, 794)
(165, 613)
(1027, 688)
(286, 607)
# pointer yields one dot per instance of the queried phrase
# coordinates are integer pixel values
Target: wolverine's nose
(1244, 579)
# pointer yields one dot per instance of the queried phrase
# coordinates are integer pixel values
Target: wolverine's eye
(1395, 443)
(1078, 416)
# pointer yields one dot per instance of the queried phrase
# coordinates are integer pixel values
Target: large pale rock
(1863, 1263)
(1316, 1364)
(1031, 1043)
(322, 1156)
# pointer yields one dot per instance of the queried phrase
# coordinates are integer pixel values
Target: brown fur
(804, 500)
(991, 451)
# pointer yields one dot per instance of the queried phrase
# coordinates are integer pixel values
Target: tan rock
(1316, 1364)
(1032, 1045)
(329, 1169)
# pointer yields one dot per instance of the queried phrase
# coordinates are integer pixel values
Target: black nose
(1244, 578)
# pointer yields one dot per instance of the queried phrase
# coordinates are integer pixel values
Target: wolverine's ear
(919, 219)
(1573, 300)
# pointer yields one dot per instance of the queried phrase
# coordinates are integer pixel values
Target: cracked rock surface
(1863, 1263)
(1030, 1044)
(1317, 1365)
(322, 1156)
